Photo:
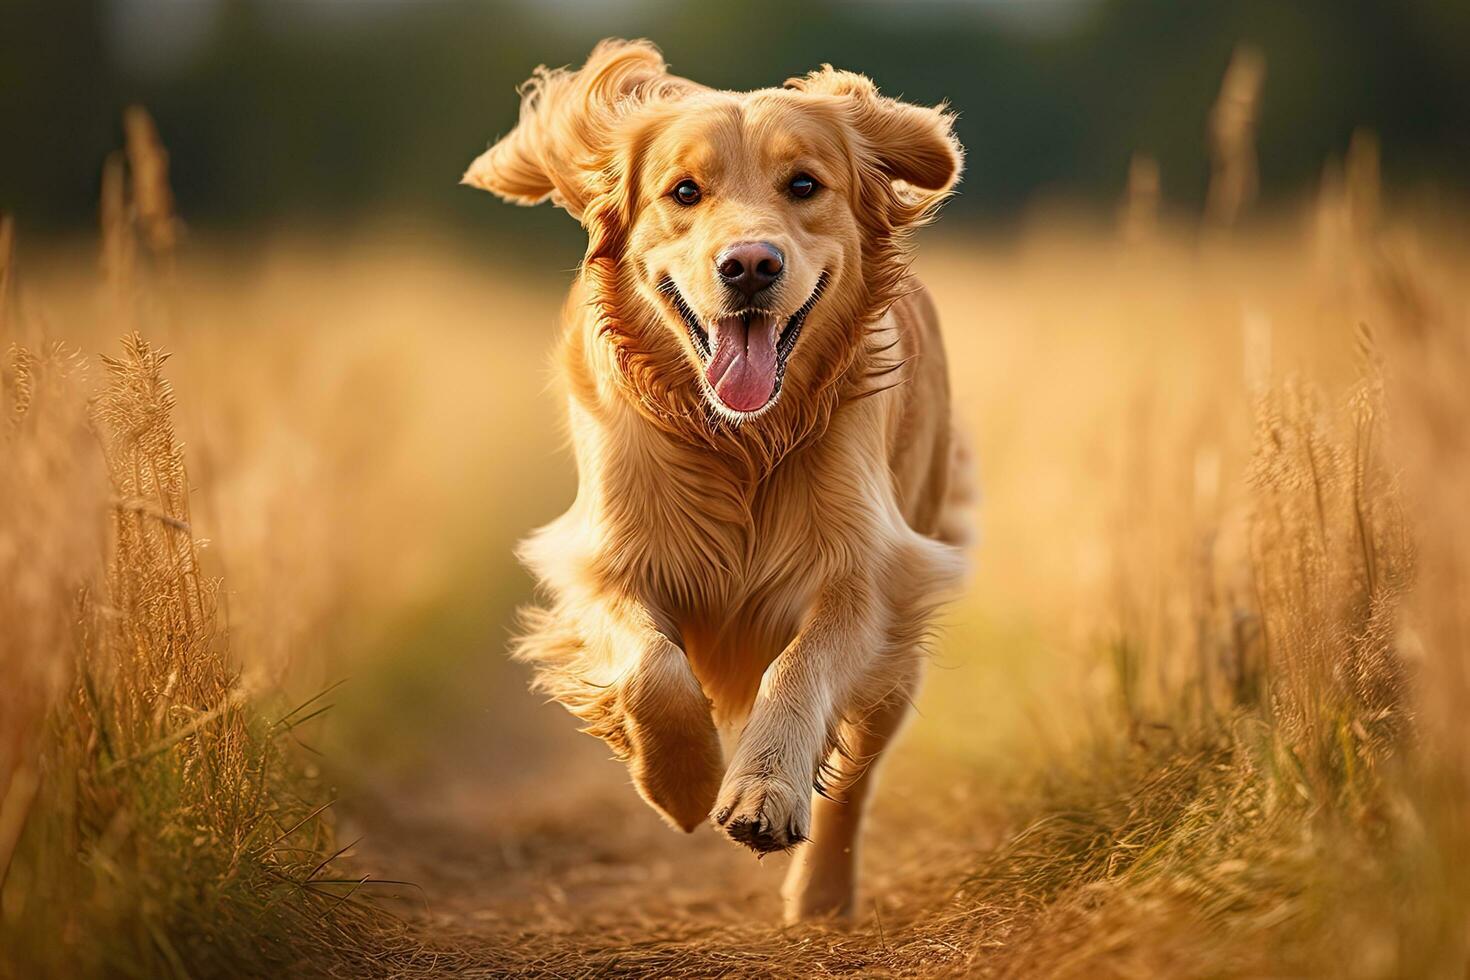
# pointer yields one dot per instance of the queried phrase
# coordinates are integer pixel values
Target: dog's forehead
(787, 125)
(770, 126)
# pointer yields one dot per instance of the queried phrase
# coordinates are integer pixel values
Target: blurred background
(342, 112)
(1172, 214)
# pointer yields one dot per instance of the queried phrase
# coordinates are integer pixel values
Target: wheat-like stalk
(146, 800)
(1232, 134)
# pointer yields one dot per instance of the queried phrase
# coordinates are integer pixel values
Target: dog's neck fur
(629, 355)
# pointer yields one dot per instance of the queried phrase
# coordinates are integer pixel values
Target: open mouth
(745, 352)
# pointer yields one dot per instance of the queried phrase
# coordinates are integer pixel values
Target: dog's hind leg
(822, 880)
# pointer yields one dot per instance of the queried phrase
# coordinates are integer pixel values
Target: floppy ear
(559, 149)
(911, 144)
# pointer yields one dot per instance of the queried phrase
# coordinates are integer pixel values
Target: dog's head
(749, 236)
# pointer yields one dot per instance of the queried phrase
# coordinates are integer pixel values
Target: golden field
(1201, 711)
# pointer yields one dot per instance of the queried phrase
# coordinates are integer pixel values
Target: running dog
(769, 508)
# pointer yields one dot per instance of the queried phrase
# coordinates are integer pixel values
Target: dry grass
(151, 823)
(1225, 550)
(1257, 791)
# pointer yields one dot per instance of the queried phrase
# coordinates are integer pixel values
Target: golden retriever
(767, 513)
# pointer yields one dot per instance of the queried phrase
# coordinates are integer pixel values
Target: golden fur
(759, 582)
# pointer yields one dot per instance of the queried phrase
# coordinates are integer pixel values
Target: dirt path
(535, 855)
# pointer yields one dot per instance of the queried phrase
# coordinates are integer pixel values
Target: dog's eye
(803, 185)
(686, 192)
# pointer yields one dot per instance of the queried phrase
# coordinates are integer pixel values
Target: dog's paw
(673, 750)
(676, 767)
(763, 811)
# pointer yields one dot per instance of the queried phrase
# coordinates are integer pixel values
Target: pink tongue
(743, 369)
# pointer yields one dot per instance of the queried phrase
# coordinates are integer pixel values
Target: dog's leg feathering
(633, 687)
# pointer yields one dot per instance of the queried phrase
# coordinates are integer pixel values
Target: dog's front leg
(656, 716)
(765, 800)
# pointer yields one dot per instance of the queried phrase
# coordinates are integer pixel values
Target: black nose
(750, 266)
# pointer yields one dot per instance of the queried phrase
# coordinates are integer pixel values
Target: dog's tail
(957, 516)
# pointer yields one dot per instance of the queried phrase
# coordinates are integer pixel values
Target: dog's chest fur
(730, 565)
(727, 562)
